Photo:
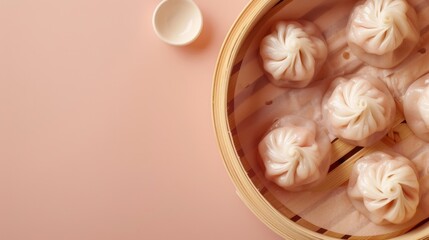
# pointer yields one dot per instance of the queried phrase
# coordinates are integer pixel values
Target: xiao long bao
(296, 153)
(416, 107)
(359, 110)
(384, 188)
(383, 33)
(293, 53)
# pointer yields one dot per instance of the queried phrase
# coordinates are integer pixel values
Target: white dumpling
(359, 110)
(385, 188)
(416, 107)
(296, 153)
(383, 33)
(293, 53)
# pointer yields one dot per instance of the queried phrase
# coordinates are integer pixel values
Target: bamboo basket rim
(245, 189)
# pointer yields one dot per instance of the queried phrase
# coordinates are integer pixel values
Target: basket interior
(253, 104)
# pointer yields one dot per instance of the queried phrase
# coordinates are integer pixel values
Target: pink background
(106, 132)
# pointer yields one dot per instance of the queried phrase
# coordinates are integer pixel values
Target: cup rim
(171, 41)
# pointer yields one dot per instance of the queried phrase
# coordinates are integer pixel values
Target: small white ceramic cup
(177, 22)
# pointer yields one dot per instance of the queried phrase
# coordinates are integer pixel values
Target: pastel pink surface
(106, 132)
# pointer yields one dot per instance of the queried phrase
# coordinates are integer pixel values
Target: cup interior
(177, 22)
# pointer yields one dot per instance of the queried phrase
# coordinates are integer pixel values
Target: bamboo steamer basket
(250, 186)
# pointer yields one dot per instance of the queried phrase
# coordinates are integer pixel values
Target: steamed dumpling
(416, 107)
(296, 153)
(384, 188)
(293, 53)
(359, 110)
(383, 33)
